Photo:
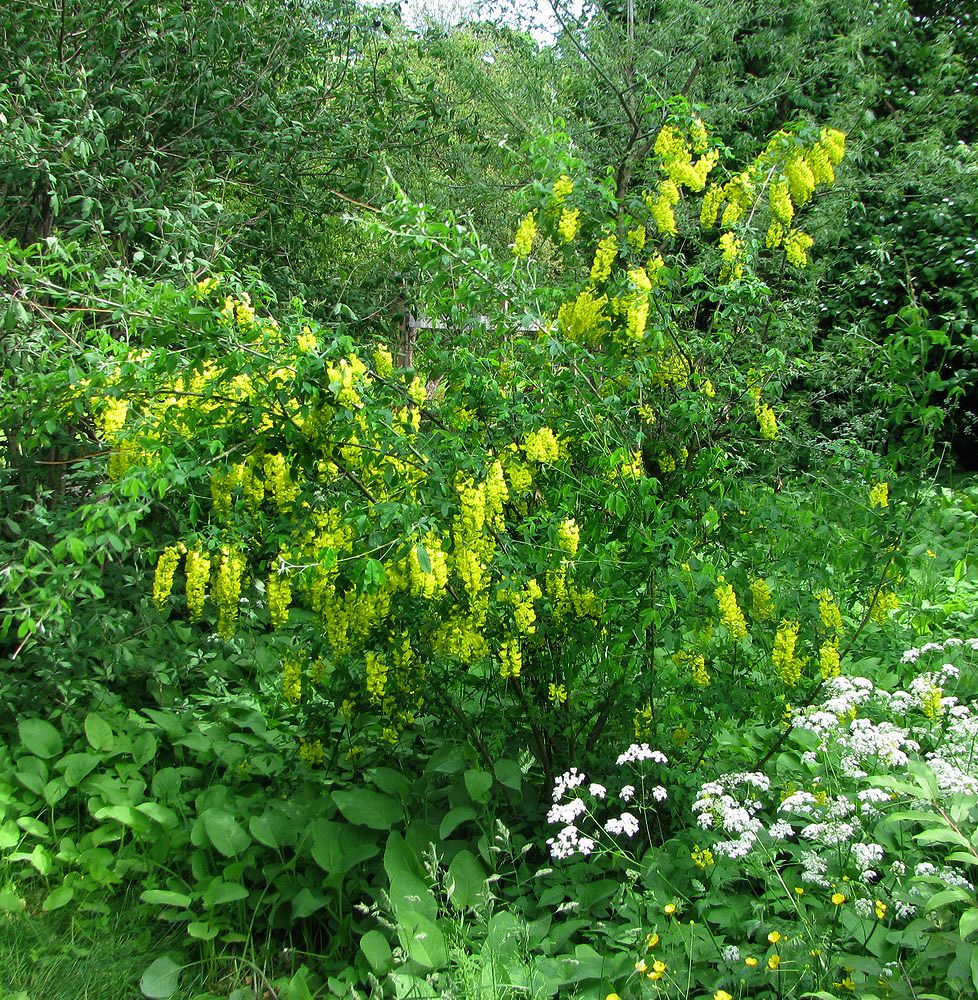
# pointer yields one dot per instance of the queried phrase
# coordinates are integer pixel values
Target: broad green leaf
(40, 737)
(364, 807)
(410, 894)
(165, 897)
(477, 784)
(220, 892)
(298, 988)
(400, 858)
(99, 733)
(945, 897)
(423, 940)
(10, 902)
(167, 818)
(466, 880)
(202, 930)
(377, 951)
(59, 897)
(968, 923)
(225, 832)
(77, 767)
(453, 819)
(305, 903)
(941, 835)
(508, 773)
(161, 979)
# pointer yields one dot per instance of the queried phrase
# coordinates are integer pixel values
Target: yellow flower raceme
(762, 601)
(604, 258)
(197, 569)
(584, 319)
(226, 590)
(766, 421)
(786, 665)
(828, 612)
(563, 186)
(884, 603)
(523, 243)
(541, 446)
(635, 238)
(730, 614)
(796, 247)
(829, 661)
(292, 680)
(569, 224)
(166, 567)
(879, 495)
(510, 660)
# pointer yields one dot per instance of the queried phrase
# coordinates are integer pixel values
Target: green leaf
(165, 897)
(57, 898)
(225, 832)
(305, 903)
(945, 897)
(508, 773)
(161, 979)
(220, 892)
(453, 819)
(364, 807)
(167, 818)
(941, 835)
(968, 923)
(400, 858)
(477, 784)
(98, 733)
(10, 902)
(466, 880)
(377, 951)
(409, 894)
(298, 988)
(77, 767)
(422, 939)
(203, 930)
(40, 737)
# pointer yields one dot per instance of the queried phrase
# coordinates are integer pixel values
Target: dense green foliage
(398, 426)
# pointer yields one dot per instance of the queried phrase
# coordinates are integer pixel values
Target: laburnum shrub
(524, 540)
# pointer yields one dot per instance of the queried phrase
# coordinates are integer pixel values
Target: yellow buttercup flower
(838, 898)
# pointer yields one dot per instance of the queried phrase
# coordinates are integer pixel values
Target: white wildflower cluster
(639, 752)
(584, 797)
(730, 805)
(913, 655)
(567, 781)
(625, 824)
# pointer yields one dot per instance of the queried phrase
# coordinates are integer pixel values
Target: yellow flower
(799, 891)
(570, 222)
(880, 908)
(838, 898)
(730, 614)
(774, 937)
(879, 495)
(523, 243)
(669, 909)
(750, 961)
(557, 693)
(651, 940)
(562, 188)
(640, 965)
(773, 962)
(786, 665)
(722, 995)
(702, 857)
(604, 257)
